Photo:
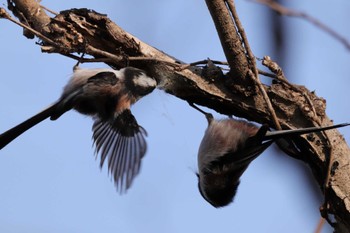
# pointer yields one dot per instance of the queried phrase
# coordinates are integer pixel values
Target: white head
(137, 82)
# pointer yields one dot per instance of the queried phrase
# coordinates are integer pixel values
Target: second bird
(227, 149)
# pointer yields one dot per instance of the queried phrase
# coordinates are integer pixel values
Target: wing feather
(122, 149)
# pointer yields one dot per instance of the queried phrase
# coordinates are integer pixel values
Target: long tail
(282, 133)
(11, 134)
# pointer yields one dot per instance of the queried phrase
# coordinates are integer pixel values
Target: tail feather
(282, 133)
(11, 134)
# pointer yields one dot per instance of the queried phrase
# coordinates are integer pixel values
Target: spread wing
(120, 141)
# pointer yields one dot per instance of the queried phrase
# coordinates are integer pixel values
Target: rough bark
(83, 30)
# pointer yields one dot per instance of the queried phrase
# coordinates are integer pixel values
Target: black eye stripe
(131, 72)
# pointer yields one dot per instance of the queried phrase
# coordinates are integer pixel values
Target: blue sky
(51, 182)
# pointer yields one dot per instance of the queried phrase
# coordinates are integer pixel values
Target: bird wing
(249, 154)
(104, 78)
(251, 149)
(122, 142)
(242, 158)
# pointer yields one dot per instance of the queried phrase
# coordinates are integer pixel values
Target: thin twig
(267, 74)
(279, 75)
(92, 50)
(327, 180)
(112, 58)
(48, 10)
(150, 59)
(320, 225)
(87, 60)
(293, 13)
(255, 72)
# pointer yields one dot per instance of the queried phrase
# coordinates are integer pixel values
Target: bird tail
(282, 133)
(11, 134)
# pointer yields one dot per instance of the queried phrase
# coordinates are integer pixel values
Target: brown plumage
(227, 149)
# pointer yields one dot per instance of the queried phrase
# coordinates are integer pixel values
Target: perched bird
(226, 150)
(106, 95)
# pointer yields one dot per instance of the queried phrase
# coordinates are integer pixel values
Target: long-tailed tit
(226, 150)
(106, 95)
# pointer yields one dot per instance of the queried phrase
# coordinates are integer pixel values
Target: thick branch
(230, 40)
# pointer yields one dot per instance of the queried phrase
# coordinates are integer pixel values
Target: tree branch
(230, 40)
(254, 73)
